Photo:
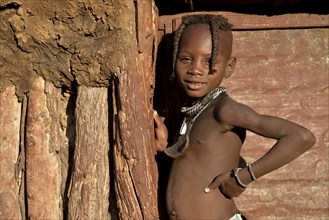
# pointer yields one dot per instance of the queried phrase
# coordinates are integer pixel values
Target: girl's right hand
(161, 132)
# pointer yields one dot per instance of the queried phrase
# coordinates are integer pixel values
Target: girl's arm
(292, 141)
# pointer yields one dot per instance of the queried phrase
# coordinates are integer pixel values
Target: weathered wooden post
(89, 190)
(76, 93)
(10, 181)
(42, 163)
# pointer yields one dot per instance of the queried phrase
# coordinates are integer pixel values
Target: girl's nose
(195, 69)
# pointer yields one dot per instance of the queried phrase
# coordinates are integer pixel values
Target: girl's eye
(184, 59)
(207, 62)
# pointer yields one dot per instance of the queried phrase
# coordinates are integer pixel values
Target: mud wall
(76, 87)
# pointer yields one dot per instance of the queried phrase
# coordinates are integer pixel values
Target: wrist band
(253, 177)
(235, 173)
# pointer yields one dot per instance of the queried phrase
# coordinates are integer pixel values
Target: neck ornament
(190, 115)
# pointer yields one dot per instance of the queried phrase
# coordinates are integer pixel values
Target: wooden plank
(261, 203)
(42, 166)
(283, 71)
(135, 165)
(21, 164)
(89, 193)
(290, 81)
(10, 110)
(258, 22)
(128, 206)
(217, 4)
(59, 134)
(304, 20)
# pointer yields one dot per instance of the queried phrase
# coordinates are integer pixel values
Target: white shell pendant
(183, 128)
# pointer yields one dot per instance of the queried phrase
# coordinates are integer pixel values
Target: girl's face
(193, 58)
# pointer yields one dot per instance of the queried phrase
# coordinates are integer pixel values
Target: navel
(173, 213)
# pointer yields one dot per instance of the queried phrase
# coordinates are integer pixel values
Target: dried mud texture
(66, 42)
(52, 49)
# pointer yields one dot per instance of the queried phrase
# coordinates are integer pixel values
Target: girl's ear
(230, 66)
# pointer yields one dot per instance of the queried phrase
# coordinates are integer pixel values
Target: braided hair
(216, 23)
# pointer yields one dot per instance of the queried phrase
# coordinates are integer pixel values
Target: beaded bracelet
(235, 173)
(253, 177)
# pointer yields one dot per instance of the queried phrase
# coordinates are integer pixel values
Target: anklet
(235, 173)
(253, 177)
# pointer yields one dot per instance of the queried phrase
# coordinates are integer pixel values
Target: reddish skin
(214, 147)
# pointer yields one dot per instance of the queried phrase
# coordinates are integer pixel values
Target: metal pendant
(183, 128)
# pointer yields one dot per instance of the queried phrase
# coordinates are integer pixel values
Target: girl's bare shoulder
(227, 110)
(227, 104)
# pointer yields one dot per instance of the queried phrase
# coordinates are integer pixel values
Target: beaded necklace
(190, 115)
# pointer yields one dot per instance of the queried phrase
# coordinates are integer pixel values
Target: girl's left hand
(227, 184)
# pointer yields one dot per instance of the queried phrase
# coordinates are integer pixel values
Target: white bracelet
(253, 177)
(235, 173)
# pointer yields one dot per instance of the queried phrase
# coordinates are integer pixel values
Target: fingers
(161, 132)
(155, 114)
(226, 185)
(159, 122)
(157, 118)
(214, 184)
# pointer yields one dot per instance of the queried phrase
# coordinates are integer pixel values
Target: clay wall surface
(76, 126)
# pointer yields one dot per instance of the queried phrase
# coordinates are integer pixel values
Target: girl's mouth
(193, 85)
